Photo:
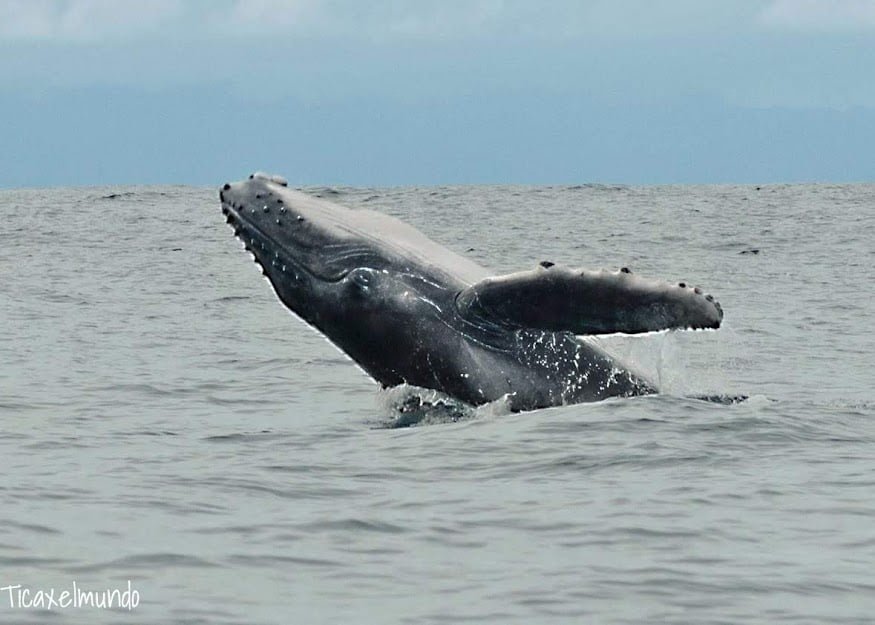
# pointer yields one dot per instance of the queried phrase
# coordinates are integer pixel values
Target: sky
(426, 92)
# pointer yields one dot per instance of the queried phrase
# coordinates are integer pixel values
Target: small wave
(29, 527)
(26, 561)
(272, 559)
(147, 561)
(325, 192)
(139, 433)
(115, 196)
(595, 186)
(231, 298)
(355, 525)
(236, 437)
(142, 193)
(726, 400)
(228, 300)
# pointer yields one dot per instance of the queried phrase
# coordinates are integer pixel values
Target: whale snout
(260, 175)
(275, 226)
(254, 211)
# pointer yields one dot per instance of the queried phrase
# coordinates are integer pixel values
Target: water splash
(406, 406)
(679, 363)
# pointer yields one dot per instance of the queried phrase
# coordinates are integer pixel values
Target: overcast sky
(392, 92)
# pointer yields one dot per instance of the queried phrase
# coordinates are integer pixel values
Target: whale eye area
(361, 280)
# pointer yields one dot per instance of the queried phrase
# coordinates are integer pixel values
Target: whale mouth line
(237, 219)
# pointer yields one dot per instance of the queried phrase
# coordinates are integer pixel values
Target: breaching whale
(408, 310)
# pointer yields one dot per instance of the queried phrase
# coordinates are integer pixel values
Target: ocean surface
(164, 420)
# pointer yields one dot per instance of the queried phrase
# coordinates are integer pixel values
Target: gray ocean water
(164, 420)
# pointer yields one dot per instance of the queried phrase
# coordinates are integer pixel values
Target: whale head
(327, 264)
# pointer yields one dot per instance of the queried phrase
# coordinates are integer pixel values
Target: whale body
(410, 311)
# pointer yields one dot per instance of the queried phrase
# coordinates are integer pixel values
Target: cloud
(453, 20)
(102, 21)
(83, 20)
(819, 15)
(355, 20)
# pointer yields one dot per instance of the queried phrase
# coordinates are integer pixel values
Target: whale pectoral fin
(587, 302)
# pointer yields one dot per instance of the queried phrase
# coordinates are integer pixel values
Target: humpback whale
(408, 310)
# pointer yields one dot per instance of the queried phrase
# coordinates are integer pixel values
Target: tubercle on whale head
(246, 201)
(235, 196)
(324, 267)
(259, 222)
(289, 250)
(314, 265)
